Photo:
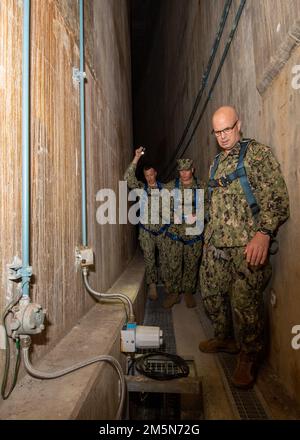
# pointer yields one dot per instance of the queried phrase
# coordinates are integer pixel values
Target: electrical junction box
(84, 256)
(135, 337)
(128, 338)
(27, 319)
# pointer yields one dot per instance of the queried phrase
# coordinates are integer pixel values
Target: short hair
(148, 167)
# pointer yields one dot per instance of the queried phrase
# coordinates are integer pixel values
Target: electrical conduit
(204, 79)
(224, 55)
(26, 270)
(109, 359)
(82, 76)
(131, 317)
(216, 77)
(82, 123)
(25, 343)
(25, 339)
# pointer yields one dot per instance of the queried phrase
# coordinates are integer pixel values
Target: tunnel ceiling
(144, 14)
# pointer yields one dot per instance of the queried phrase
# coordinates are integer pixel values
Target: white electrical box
(128, 340)
(140, 336)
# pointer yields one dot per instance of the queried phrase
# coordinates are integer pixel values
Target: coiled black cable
(143, 366)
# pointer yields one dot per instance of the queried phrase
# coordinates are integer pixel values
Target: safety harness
(176, 237)
(164, 227)
(239, 173)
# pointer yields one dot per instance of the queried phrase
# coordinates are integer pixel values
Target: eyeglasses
(226, 130)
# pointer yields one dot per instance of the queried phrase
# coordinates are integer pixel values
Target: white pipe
(108, 295)
(26, 341)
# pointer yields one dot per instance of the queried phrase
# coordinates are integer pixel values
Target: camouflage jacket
(231, 222)
(180, 229)
(134, 183)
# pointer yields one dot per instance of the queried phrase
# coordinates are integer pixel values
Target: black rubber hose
(225, 52)
(204, 78)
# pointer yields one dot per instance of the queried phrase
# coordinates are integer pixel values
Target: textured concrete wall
(181, 49)
(90, 393)
(55, 150)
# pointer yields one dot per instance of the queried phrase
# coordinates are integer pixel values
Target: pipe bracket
(17, 271)
(78, 76)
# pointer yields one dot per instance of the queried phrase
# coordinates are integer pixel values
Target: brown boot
(152, 292)
(243, 376)
(216, 345)
(189, 300)
(171, 299)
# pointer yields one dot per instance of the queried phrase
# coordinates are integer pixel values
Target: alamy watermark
(296, 339)
(163, 207)
(296, 78)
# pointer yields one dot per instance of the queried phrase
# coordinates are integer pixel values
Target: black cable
(143, 366)
(225, 52)
(204, 77)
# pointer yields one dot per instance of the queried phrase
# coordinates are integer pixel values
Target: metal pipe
(26, 341)
(119, 296)
(26, 149)
(82, 124)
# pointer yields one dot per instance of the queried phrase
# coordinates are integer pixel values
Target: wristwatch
(266, 232)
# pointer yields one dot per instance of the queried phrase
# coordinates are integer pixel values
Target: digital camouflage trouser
(232, 292)
(149, 243)
(182, 265)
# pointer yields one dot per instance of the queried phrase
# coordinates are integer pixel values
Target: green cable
(7, 356)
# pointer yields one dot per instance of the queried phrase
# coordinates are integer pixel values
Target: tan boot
(216, 345)
(152, 292)
(171, 299)
(189, 300)
(243, 376)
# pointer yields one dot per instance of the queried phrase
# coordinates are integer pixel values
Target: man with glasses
(248, 201)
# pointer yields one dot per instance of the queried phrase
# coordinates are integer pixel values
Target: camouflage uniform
(231, 289)
(182, 264)
(148, 241)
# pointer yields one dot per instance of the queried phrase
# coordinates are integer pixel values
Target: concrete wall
(55, 151)
(90, 393)
(183, 41)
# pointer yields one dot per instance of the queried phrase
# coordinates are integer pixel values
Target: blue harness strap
(156, 233)
(176, 237)
(164, 227)
(195, 200)
(240, 173)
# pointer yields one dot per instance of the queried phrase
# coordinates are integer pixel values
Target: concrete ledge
(92, 392)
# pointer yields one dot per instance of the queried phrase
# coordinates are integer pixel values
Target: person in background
(182, 250)
(151, 236)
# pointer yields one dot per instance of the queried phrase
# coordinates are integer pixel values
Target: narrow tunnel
(83, 86)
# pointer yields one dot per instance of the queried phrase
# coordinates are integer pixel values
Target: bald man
(248, 201)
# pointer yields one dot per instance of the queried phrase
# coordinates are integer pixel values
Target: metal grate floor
(156, 315)
(157, 406)
(247, 402)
